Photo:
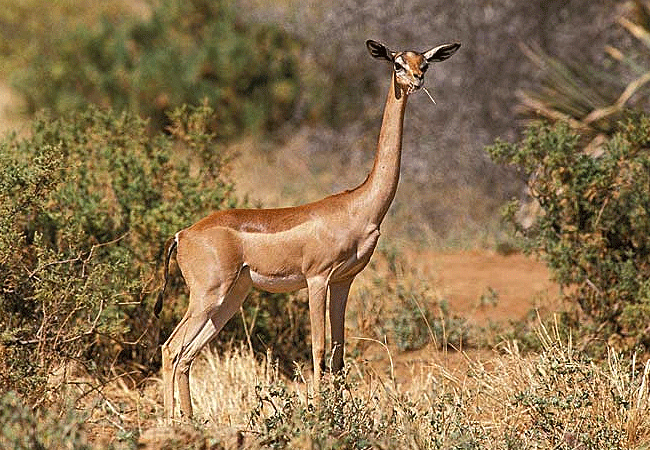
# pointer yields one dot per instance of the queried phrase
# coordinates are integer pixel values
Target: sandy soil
(511, 285)
(481, 286)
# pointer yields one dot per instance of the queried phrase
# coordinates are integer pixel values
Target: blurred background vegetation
(135, 109)
(277, 68)
(298, 66)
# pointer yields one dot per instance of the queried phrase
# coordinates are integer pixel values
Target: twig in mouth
(427, 92)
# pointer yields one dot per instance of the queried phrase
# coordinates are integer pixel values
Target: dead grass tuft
(558, 398)
(224, 385)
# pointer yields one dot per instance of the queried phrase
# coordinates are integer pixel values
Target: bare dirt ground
(510, 285)
(483, 287)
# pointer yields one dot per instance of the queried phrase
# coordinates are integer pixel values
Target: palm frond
(589, 98)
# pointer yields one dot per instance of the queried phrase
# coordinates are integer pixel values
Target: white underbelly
(277, 284)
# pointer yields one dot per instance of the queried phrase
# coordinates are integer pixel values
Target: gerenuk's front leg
(317, 288)
(338, 300)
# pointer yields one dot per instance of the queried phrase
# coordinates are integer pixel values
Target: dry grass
(555, 399)
(225, 385)
(561, 399)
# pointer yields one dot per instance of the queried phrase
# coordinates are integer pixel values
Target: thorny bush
(593, 228)
(86, 203)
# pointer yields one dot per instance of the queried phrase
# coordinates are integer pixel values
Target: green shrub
(413, 325)
(29, 26)
(22, 429)
(348, 417)
(339, 421)
(594, 226)
(183, 53)
(86, 203)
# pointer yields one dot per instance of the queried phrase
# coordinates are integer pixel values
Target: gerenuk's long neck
(378, 191)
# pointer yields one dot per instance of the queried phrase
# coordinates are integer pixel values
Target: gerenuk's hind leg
(184, 362)
(186, 331)
(223, 307)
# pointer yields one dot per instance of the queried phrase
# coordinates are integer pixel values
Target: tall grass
(558, 398)
(225, 384)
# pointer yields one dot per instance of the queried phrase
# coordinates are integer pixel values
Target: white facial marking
(409, 69)
(400, 64)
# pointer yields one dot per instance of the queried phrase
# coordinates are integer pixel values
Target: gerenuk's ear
(441, 52)
(379, 50)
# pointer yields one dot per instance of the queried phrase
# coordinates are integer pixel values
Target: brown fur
(321, 246)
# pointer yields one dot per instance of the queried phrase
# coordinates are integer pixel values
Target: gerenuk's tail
(170, 246)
